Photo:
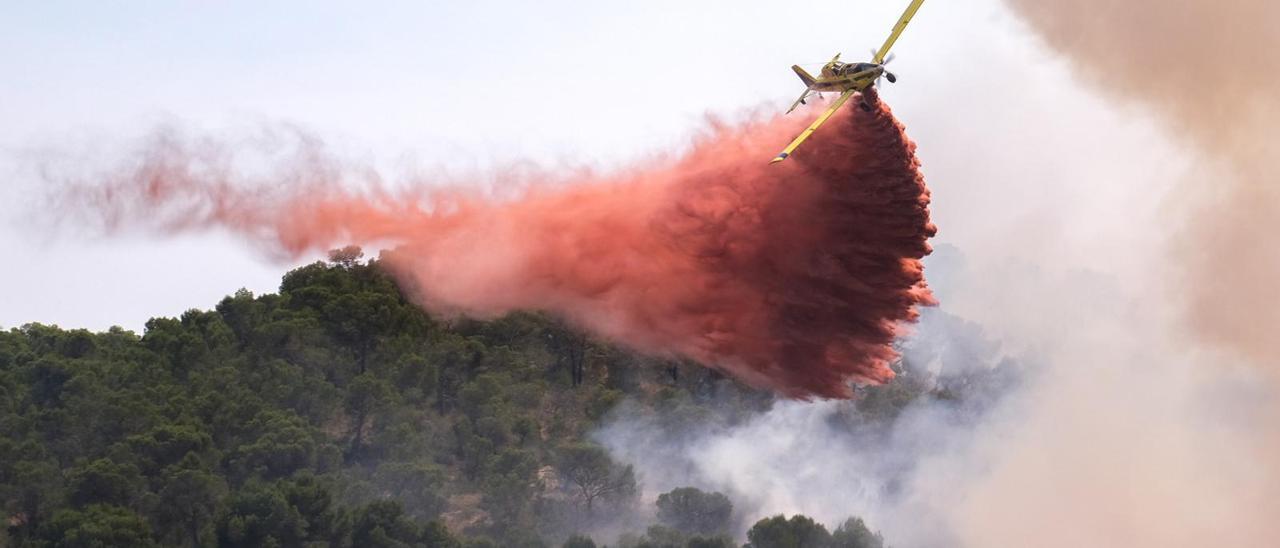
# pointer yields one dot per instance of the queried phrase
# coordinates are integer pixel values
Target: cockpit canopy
(854, 68)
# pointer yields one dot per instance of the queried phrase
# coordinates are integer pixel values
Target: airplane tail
(804, 76)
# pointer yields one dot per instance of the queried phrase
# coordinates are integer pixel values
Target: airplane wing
(813, 127)
(799, 101)
(897, 30)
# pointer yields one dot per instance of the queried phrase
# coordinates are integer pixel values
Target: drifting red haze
(794, 277)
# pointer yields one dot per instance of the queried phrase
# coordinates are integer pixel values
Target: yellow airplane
(846, 78)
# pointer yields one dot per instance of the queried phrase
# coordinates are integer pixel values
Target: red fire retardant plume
(795, 277)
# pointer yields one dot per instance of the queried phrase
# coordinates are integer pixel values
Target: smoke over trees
(693, 511)
(255, 442)
(594, 476)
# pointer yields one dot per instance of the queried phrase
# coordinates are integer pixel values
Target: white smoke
(1120, 432)
(835, 459)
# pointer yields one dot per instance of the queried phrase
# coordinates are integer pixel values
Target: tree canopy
(336, 412)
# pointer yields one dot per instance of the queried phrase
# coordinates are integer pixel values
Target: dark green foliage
(102, 482)
(97, 526)
(659, 536)
(802, 532)
(382, 524)
(260, 515)
(592, 476)
(694, 511)
(853, 533)
(779, 532)
(418, 485)
(710, 542)
(188, 502)
(335, 413)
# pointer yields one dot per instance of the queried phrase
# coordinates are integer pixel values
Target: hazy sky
(462, 85)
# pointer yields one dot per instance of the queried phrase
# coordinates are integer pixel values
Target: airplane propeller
(893, 78)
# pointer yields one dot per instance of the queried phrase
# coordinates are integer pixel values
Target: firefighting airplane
(846, 78)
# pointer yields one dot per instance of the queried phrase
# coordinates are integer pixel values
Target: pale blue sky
(544, 76)
(467, 84)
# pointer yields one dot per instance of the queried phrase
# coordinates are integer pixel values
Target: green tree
(188, 503)
(710, 542)
(98, 526)
(230, 427)
(594, 476)
(347, 257)
(31, 489)
(243, 314)
(366, 395)
(694, 511)
(282, 444)
(572, 348)
(103, 481)
(510, 486)
(417, 485)
(663, 536)
(854, 533)
(779, 532)
(47, 378)
(260, 515)
(312, 498)
(168, 444)
(383, 524)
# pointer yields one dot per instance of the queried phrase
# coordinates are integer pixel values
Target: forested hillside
(337, 413)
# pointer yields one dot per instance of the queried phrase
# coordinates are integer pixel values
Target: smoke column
(1146, 426)
(796, 277)
(1211, 71)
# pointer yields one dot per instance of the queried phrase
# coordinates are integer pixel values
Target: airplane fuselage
(839, 77)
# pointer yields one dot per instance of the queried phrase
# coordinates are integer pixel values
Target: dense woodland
(337, 413)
